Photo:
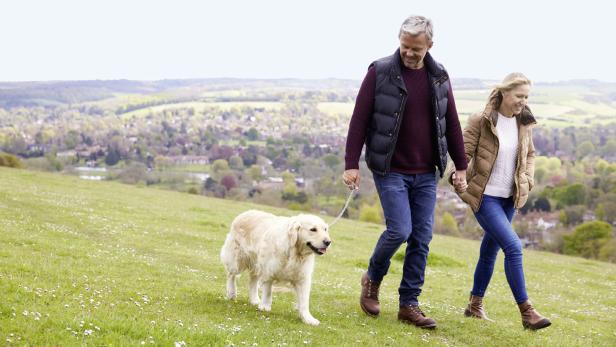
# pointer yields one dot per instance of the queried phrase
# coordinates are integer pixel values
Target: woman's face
(515, 100)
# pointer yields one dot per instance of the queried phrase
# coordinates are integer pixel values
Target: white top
(501, 180)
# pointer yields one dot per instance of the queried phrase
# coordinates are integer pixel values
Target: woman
(500, 155)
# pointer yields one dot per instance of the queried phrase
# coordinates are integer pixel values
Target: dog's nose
(327, 242)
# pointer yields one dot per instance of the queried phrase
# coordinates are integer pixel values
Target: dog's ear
(293, 231)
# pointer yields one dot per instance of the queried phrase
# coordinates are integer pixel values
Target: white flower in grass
(88, 332)
(179, 343)
(25, 312)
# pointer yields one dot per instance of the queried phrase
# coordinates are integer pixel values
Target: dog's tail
(226, 252)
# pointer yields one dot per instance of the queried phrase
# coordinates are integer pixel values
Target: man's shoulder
(440, 66)
(384, 60)
(434, 67)
(383, 63)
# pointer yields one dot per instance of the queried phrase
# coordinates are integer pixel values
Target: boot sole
(468, 313)
(374, 315)
(429, 326)
(537, 327)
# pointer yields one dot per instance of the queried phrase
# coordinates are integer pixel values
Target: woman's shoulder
(476, 116)
(476, 119)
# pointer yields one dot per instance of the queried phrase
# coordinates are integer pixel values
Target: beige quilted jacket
(481, 147)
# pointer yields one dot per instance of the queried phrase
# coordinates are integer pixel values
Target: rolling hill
(100, 263)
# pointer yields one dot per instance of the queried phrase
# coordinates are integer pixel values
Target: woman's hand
(459, 181)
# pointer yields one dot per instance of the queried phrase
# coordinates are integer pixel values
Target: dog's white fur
(274, 248)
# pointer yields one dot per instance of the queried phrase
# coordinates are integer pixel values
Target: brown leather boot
(531, 319)
(369, 299)
(475, 308)
(413, 315)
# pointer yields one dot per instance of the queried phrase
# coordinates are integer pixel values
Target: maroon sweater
(416, 145)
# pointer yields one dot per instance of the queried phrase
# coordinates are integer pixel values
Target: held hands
(351, 178)
(459, 181)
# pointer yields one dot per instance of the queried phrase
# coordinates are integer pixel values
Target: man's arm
(455, 142)
(364, 107)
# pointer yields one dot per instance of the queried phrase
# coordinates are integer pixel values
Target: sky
(547, 40)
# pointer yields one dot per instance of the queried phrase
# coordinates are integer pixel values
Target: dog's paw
(255, 302)
(310, 320)
(264, 308)
(231, 295)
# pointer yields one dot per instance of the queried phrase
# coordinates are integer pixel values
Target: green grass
(335, 108)
(100, 263)
(202, 106)
(191, 168)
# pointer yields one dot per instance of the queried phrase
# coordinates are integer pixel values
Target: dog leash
(346, 205)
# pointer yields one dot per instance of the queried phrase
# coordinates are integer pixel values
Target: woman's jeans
(408, 205)
(494, 216)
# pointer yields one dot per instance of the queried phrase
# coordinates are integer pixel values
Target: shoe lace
(373, 290)
(477, 306)
(417, 310)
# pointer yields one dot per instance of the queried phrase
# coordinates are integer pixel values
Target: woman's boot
(531, 319)
(475, 308)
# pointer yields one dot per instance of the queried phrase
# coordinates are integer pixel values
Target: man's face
(413, 49)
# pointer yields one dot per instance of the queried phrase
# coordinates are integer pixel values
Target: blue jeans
(408, 205)
(494, 216)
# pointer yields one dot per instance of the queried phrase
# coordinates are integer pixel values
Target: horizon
(575, 80)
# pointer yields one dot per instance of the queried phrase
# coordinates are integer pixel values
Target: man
(406, 115)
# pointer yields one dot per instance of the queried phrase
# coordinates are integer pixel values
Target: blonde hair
(509, 83)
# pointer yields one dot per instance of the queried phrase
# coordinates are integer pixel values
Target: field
(100, 263)
(202, 106)
(554, 107)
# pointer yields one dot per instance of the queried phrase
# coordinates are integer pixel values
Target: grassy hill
(98, 263)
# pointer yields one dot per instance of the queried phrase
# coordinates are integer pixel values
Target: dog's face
(311, 232)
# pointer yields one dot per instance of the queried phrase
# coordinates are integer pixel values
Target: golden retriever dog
(274, 248)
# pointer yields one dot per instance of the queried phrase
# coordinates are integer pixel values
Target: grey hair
(415, 25)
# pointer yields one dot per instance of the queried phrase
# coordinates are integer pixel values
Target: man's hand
(459, 181)
(351, 178)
